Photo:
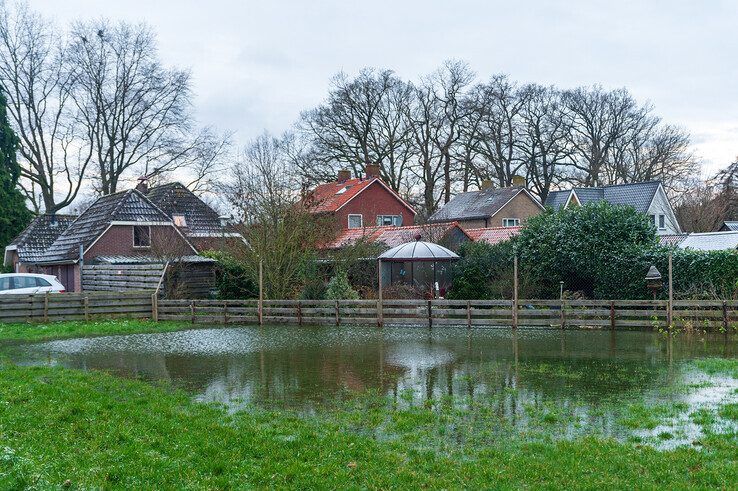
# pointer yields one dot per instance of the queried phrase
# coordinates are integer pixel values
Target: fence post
(670, 306)
(468, 314)
(155, 307)
(612, 315)
(430, 313)
(725, 317)
(261, 292)
(338, 315)
(515, 293)
(380, 308)
(299, 313)
(46, 307)
(225, 311)
(192, 311)
(86, 303)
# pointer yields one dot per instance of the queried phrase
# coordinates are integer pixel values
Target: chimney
(486, 184)
(372, 170)
(518, 180)
(143, 185)
(344, 175)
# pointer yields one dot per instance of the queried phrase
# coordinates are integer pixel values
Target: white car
(25, 283)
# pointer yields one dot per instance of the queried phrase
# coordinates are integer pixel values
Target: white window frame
(515, 221)
(133, 237)
(396, 220)
(662, 222)
(361, 220)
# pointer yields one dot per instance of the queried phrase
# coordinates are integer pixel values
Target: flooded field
(635, 385)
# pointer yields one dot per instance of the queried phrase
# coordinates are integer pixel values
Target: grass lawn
(61, 427)
(55, 330)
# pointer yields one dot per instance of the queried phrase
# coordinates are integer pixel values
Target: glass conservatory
(423, 265)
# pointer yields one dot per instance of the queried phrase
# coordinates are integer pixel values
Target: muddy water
(511, 371)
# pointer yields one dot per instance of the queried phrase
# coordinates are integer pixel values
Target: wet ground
(585, 381)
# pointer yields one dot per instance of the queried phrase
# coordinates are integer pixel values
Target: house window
(385, 220)
(355, 221)
(141, 236)
(662, 222)
(653, 219)
(179, 220)
(510, 222)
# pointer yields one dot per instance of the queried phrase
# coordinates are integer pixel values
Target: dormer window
(179, 220)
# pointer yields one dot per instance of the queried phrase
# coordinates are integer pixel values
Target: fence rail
(75, 306)
(541, 313)
(615, 314)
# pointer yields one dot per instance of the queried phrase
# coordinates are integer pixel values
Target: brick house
(202, 226)
(360, 202)
(490, 208)
(29, 246)
(120, 225)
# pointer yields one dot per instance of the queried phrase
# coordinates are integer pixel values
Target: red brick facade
(118, 241)
(374, 201)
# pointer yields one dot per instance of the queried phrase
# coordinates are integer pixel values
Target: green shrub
(483, 272)
(339, 288)
(232, 278)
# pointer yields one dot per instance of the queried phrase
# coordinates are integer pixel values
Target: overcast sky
(256, 65)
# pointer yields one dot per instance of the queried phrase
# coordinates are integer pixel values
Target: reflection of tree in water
(501, 369)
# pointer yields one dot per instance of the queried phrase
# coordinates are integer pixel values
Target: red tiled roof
(393, 236)
(671, 239)
(331, 196)
(492, 235)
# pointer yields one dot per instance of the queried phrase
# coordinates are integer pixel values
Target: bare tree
(499, 103)
(262, 182)
(363, 122)
(597, 120)
(134, 112)
(543, 142)
(35, 77)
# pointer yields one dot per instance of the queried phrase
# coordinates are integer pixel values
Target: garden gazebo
(422, 265)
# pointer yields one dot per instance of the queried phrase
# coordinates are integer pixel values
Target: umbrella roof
(419, 251)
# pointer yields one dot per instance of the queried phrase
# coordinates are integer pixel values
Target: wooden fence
(122, 277)
(75, 306)
(617, 314)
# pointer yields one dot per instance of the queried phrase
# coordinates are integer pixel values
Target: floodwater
(576, 372)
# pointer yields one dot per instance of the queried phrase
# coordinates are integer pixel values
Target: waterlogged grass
(61, 427)
(70, 329)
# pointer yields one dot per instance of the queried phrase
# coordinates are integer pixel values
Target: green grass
(91, 429)
(55, 330)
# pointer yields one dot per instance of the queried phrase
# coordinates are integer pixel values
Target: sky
(256, 65)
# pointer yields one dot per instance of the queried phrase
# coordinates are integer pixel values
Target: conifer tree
(14, 215)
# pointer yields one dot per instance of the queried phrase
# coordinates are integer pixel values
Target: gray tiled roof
(557, 199)
(638, 195)
(125, 206)
(730, 226)
(475, 204)
(711, 241)
(39, 235)
(176, 199)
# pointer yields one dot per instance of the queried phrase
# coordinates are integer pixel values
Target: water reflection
(308, 366)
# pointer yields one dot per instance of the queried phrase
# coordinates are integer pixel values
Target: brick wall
(118, 241)
(521, 206)
(373, 201)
